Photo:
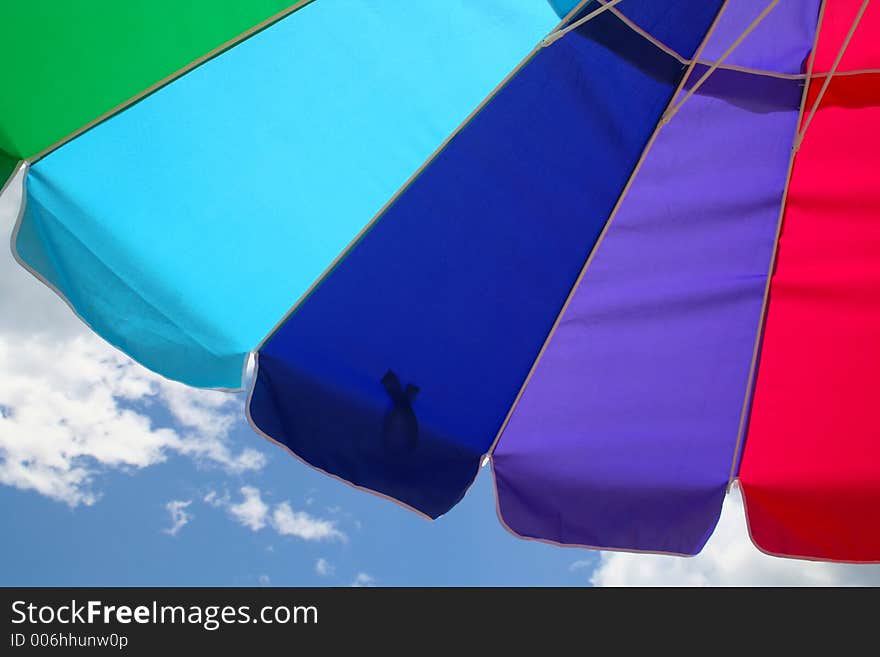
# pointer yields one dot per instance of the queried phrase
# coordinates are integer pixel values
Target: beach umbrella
(626, 251)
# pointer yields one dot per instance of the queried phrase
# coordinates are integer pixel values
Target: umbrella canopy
(66, 64)
(627, 249)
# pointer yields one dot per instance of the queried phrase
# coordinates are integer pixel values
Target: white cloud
(363, 579)
(180, 517)
(324, 568)
(252, 510)
(72, 407)
(213, 498)
(581, 564)
(264, 580)
(301, 524)
(254, 513)
(729, 559)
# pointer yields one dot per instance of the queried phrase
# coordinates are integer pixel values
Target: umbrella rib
(626, 20)
(671, 112)
(762, 319)
(790, 76)
(725, 66)
(831, 73)
(559, 33)
(595, 248)
(124, 105)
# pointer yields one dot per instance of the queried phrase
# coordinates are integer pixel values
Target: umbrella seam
(409, 182)
(633, 175)
(671, 112)
(831, 72)
(179, 73)
(759, 335)
(725, 66)
(557, 34)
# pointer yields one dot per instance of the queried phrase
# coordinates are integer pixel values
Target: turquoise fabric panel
(184, 228)
(564, 7)
(127, 318)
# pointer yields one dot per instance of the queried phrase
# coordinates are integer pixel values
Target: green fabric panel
(67, 62)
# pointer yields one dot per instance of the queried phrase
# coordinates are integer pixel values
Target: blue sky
(111, 475)
(119, 540)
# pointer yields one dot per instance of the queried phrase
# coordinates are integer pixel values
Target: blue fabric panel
(397, 372)
(185, 227)
(669, 21)
(673, 22)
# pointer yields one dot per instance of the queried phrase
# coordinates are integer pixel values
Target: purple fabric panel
(625, 434)
(792, 20)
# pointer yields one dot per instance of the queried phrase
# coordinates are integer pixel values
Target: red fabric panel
(811, 468)
(864, 49)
